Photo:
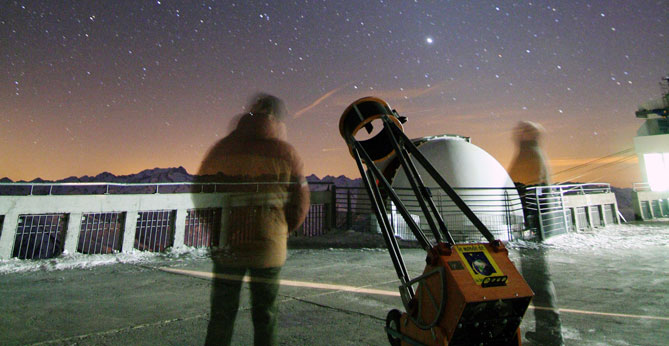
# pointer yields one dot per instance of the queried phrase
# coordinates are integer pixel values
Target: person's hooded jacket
(268, 194)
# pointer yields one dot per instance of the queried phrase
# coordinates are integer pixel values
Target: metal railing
(39, 236)
(576, 189)
(637, 187)
(105, 188)
(101, 218)
(556, 209)
(100, 233)
(500, 209)
(202, 227)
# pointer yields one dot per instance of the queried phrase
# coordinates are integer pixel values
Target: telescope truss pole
(444, 185)
(415, 229)
(386, 229)
(425, 201)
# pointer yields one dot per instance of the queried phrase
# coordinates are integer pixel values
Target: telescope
(468, 293)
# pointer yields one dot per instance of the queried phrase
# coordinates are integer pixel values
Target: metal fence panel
(101, 233)
(203, 227)
(494, 207)
(582, 215)
(155, 230)
(571, 226)
(39, 236)
(596, 217)
(314, 224)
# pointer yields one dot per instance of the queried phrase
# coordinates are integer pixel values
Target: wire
(599, 167)
(625, 151)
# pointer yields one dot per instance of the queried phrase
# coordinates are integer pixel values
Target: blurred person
(529, 168)
(529, 165)
(268, 198)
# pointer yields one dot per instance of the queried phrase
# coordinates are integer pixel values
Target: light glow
(657, 171)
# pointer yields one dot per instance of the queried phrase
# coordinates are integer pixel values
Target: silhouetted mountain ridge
(164, 175)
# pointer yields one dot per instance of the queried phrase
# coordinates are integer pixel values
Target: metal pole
(415, 229)
(379, 211)
(540, 232)
(348, 209)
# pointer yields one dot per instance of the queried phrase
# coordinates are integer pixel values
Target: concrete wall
(76, 205)
(639, 198)
(594, 204)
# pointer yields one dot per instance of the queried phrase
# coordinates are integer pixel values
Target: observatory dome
(477, 177)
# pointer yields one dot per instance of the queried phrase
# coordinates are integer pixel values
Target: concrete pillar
(588, 212)
(8, 235)
(129, 231)
(72, 232)
(574, 216)
(180, 228)
(602, 214)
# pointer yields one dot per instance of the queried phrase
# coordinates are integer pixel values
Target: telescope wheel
(393, 322)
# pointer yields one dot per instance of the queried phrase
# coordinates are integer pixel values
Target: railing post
(349, 220)
(180, 228)
(130, 225)
(564, 212)
(507, 215)
(72, 232)
(332, 211)
(8, 235)
(540, 232)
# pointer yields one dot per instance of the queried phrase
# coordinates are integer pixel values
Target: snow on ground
(624, 236)
(82, 261)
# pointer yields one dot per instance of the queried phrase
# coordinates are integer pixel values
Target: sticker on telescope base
(479, 263)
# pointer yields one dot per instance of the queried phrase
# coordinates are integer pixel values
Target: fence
(102, 218)
(557, 209)
(43, 220)
(500, 209)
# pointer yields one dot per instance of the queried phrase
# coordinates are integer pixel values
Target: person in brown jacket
(268, 198)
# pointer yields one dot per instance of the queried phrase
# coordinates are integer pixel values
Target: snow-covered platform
(611, 286)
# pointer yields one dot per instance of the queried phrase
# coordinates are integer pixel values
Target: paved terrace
(608, 295)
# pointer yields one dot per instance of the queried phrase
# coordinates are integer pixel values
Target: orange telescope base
(469, 294)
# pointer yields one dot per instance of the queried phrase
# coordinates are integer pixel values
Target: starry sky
(122, 86)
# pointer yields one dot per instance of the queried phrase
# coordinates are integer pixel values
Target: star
(429, 40)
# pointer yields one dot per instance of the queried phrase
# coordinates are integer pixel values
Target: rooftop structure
(652, 147)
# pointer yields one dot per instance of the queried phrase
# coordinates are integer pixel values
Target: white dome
(461, 163)
(477, 177)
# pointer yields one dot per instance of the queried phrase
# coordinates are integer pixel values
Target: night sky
(122, 86)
